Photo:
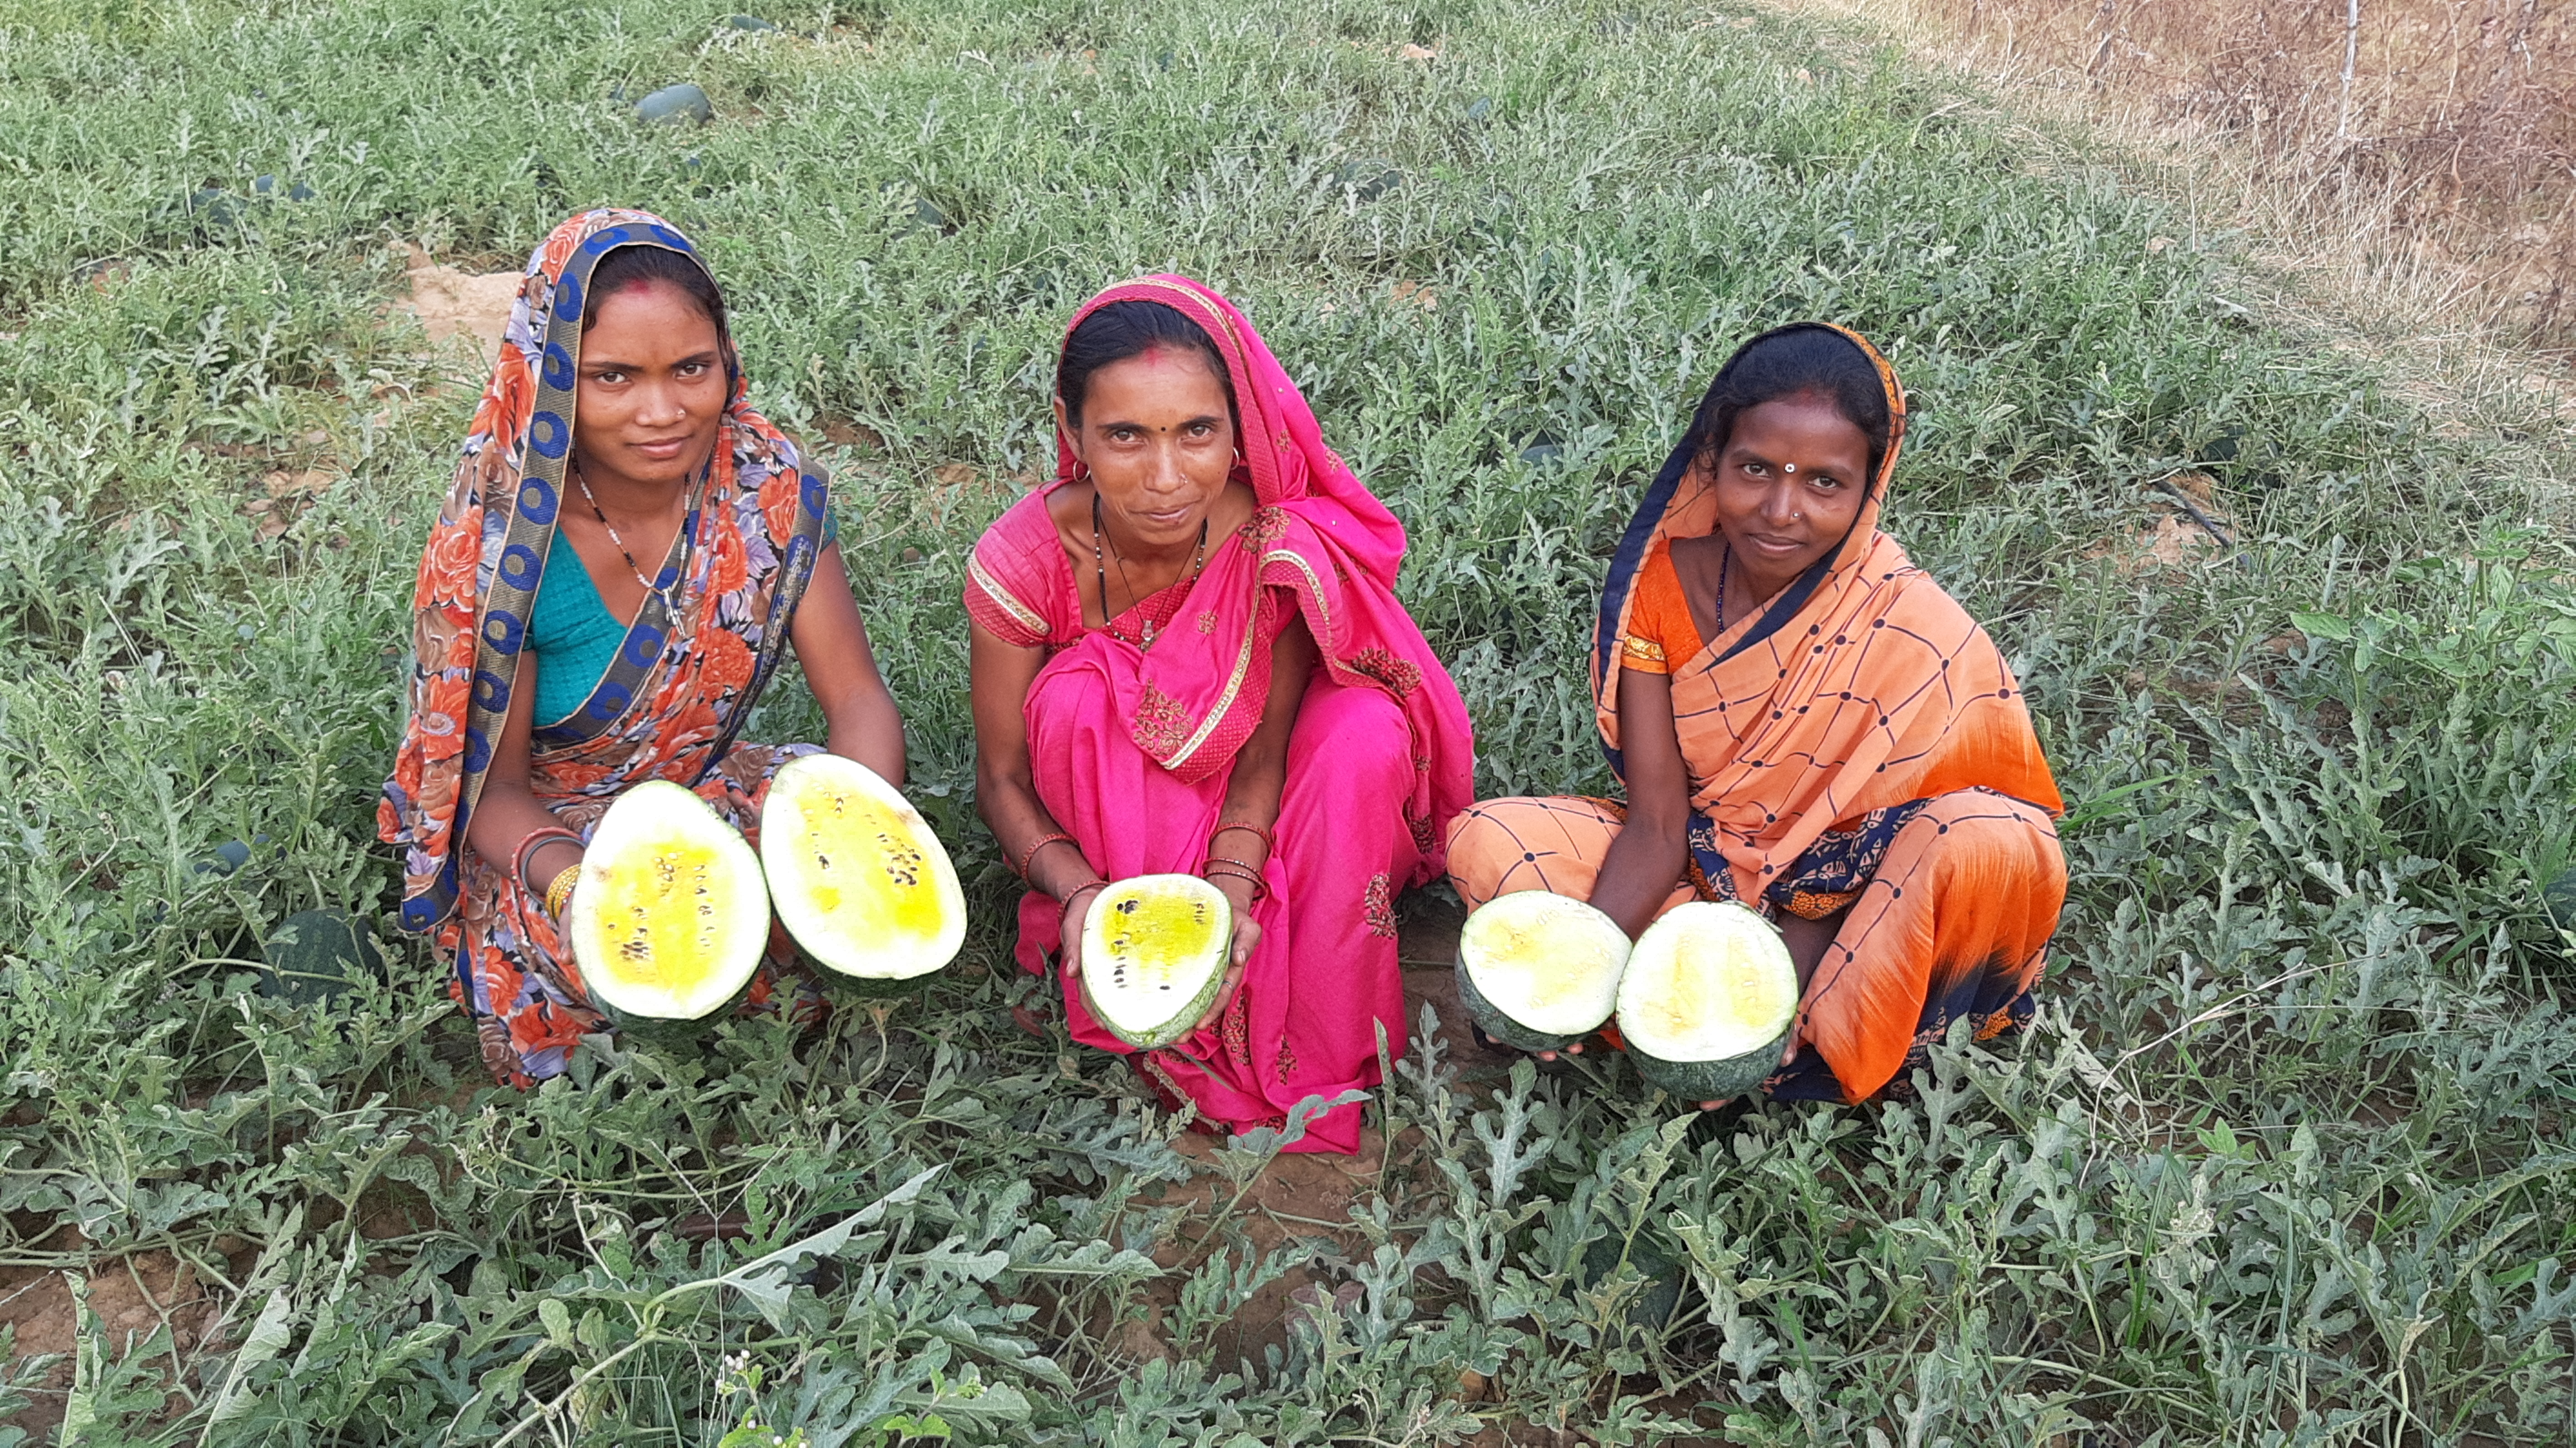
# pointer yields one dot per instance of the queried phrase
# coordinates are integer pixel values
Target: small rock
(1418, 52)
(748, 22)
(1481, 108)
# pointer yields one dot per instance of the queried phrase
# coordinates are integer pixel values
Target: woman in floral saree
(551, 671)
(1189, 657)
(1807, 723)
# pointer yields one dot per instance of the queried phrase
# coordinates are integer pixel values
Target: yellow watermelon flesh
(1154, 954)
(1707, 1000)
(857, 875)
(668, 917)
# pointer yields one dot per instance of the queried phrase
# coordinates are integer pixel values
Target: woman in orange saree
(1806, 723)
(550, 671)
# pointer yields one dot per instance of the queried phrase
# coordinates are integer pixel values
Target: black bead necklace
(1100, 572)
(650, 590)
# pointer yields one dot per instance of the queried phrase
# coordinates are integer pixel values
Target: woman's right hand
(1077, 908)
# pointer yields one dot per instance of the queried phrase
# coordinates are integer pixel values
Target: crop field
(2286, 1160)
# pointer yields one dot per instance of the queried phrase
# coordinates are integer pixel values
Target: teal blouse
(574, 636)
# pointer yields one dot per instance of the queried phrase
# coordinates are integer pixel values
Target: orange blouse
(1660, 636)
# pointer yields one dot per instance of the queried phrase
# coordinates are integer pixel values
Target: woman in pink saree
(1189, 657)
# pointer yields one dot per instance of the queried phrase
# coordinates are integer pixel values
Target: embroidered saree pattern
(1131, 746)
(698, 654)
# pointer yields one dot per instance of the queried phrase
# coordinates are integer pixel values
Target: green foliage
(2283, 1163)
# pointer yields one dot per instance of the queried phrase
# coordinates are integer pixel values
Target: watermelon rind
(655, 838)
(1556, 960)
(1154, 955)
(1708, 1001)
(313, 957)
(1710, 1080)
(858, 877)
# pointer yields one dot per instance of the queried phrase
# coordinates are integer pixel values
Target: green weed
(2284, 1162)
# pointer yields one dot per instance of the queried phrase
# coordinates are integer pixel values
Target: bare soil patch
(133, 1297)
(452, 303)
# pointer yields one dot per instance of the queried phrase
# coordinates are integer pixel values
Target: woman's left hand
(1247, 934)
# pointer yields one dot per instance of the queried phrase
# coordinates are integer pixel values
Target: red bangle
(1236, 869)
(1022, 868)
(529, 844)
(1269, 843)
(1066, 911)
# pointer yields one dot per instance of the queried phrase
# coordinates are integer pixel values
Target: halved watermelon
(1154, 954)
(1707, 1001)
(1539, 971)
(668, 917)
(858, 877)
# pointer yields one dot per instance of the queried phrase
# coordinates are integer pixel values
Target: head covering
(1133, 729)
(1861, 686)
(1283, 444)
(1319, 543)
(707, 640)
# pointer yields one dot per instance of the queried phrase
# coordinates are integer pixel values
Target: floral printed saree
(692, 663)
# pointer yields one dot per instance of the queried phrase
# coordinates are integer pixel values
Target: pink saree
(1131, 747)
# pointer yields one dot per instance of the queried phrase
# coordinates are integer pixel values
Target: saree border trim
(1009, 602)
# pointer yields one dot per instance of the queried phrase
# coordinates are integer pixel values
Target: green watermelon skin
(1183, 1019)
(1172, 1032)
(665, 1031)
(1711, 1080)
(313, 958)
(860, 988)
(1490, 1019)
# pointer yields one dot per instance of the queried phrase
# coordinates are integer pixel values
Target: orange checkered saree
(1858, 745)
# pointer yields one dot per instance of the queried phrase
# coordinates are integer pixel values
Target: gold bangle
(559, 894)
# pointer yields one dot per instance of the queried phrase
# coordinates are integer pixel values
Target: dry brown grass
(2417, 155)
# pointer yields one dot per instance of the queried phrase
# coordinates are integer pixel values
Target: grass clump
(2284, 1162)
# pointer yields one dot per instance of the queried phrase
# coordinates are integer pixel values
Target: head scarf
(1283, 444)
(1861, 686)
(1319, 543)
(685, 675)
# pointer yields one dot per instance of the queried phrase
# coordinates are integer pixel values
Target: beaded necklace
(1100, 572)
